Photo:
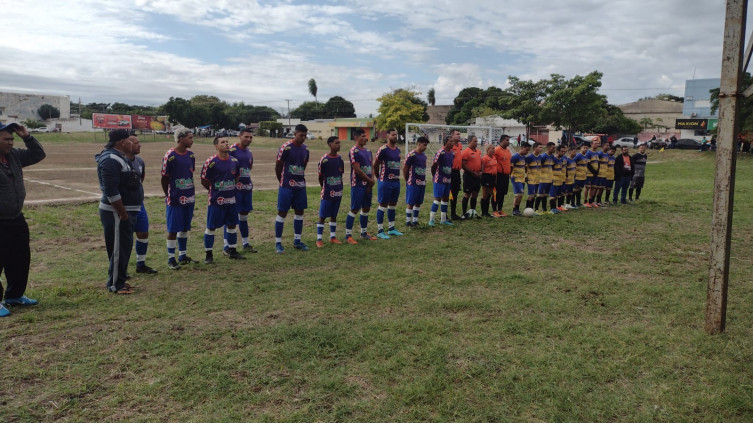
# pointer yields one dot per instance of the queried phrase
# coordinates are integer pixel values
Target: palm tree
(312, 89)
(430, 97)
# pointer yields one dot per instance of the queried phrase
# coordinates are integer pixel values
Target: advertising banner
(148, 123)
(691, 124)
(107, 121)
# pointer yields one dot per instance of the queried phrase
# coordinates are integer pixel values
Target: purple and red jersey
(179, 169)
(245, 160)
(416, 164)
(222, 176)
(331, 170)
(294, 159)
(444, 160)
(389, 171)
(363, 158)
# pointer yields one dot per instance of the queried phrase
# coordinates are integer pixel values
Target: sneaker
(122, 291)
(319, 243)
(487, 215)
(456, 217)
(349, 239)
(517, 213)
(209, 259)
(22, 301)
(561, 208)
(4, 312)
(249, 249)
(300, 246)
(145, 269)
(233, 254)
(172, 264)
(185, 260)
(553, 211)
(587, 205)
(431, 223)
(382, 235)
(503, 214)
(336, 241)
(365, 235)
(278, 248)
(596, 205)
(536, 213)
(547, 212)
(394, 232)
(447, 223)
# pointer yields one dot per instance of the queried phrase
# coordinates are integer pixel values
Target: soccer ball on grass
(528, 212)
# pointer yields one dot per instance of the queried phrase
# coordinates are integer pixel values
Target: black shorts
(471, 183)
(455, 182)
(502, 183)
(488, 180)
(637, 182)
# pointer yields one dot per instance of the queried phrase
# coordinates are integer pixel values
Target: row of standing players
(560, 175)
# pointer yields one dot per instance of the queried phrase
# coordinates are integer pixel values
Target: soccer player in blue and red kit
(177, 183)
(387, 166)
(245, 188)
(290, 169)
(361, 183)
(220, 175)
(414, 172)
(331, 168)
(441, 168)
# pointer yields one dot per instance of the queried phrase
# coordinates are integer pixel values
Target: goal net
(435, 133)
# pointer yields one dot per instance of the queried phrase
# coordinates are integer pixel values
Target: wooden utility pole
(726, 151)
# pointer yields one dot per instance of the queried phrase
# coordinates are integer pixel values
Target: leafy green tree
(308, 110)
(238, 113)
(474, 102)
(338, 107)
(646, 123)
(574, 104)
(48, 111)
(615, 122)
(431, 97)
(745, 114)
(665, 97)
(399, 107)
(33, 123)
(313, 89)
(525, 102)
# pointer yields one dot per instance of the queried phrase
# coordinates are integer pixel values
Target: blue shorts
(533, 189)
(600, 182)
(544, 188)
(388, 192)
(360, 198)
(609, 183)
(179, 218)
(219, 216)
(329, 208)
(567, 189)
(579, 184)
(142, 221)
(441, 190)
(555, 190)
(414, 194)
(517, 187)
(244, 201)
(591, 181)
(295, 198)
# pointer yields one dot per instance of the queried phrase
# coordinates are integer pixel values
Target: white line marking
(65, 169)
(61, 187)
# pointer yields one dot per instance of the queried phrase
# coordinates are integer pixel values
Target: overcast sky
(264, 52)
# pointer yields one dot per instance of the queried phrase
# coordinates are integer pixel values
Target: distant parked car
(627, 142)
(579, 140)
(42, 129)
(687, 144)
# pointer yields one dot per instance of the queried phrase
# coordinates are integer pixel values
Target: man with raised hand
(180, 196)
(387, 166)
(15, 254)
(290, 169)
(361, 183)
(245, 188)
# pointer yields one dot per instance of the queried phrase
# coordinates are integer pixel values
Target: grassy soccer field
(592, 315)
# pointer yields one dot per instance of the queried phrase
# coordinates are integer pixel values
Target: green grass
(593, 315)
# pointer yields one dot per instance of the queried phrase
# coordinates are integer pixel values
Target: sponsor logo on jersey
(186, 200)
(393, 164)
(296, 170)
(184, 183)
(334, 180)
(296, 184)
(335, 193)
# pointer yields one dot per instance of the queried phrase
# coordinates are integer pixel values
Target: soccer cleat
(300, 246)
(561, 208)
(233, 254)
(394, 232)
(595, 205)
(319, 243)
(349, 239)
(486, 215)
(209, 259)
(456, 217)
(278, 248)
(431, 223)
(536, 213)
(447, 223)
(587, 205)
(554, 211)
(365, 235)
(4, 312)
(502, 214)
(517, 213)
(249, 248)
(334, 240)
(145, 269)
(172, 264)
(382, 235)
(22, 301)
(183, 260)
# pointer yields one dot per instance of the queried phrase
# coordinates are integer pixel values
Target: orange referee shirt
(503, 156)
(472, 158)
(457, 149)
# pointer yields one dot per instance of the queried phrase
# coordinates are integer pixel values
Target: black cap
(118, 134)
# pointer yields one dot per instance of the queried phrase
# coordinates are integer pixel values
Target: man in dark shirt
(639, 172)
(623, 174)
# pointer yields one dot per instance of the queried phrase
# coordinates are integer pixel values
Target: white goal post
(435, 133)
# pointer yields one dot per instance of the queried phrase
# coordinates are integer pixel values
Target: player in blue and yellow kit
(414, 172)
(610, 173)
(219, 176)
(244, 190)
(518, 177)
(581, 172)
(603, 171)
(571, 169)
(558, 179)
(441, 168)
(290, 170)
(361, 183)
(545, 177)
(592, 176)
(177, 183)
(387, 166)
(331, 168)
(533, 172)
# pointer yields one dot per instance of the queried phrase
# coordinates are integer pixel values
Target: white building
(17, 107)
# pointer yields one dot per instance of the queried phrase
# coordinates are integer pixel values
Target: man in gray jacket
(15, 255)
